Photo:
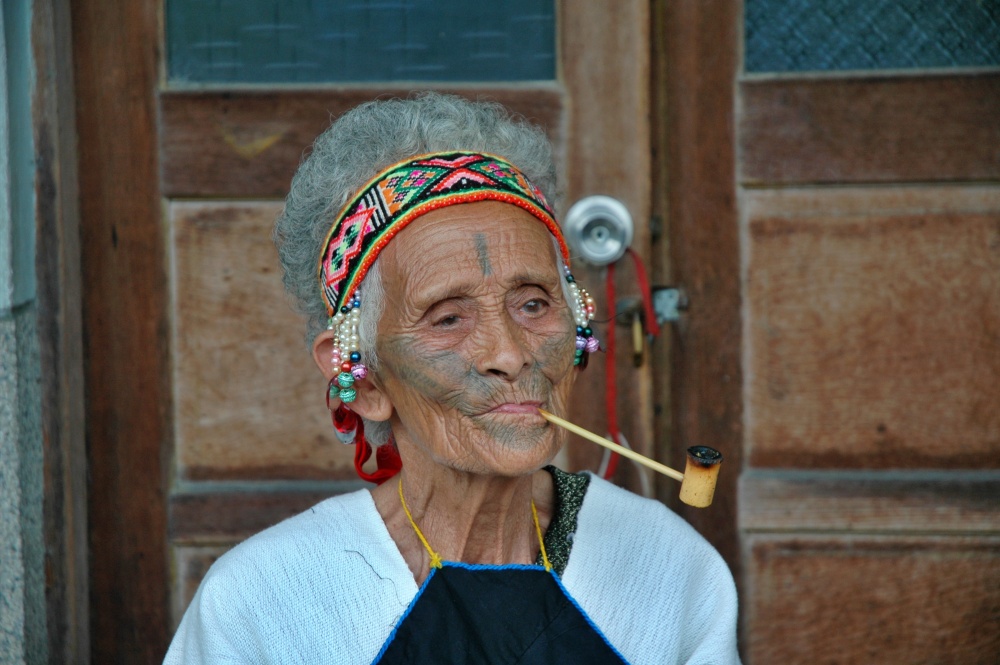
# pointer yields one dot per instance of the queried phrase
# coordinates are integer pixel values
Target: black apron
(495, 615)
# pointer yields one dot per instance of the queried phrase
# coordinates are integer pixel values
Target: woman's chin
(494, 446)
(503, 457)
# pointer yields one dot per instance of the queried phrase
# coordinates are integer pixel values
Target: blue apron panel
(495, 615)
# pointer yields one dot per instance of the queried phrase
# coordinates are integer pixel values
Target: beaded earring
(584, 308)
(346, 354)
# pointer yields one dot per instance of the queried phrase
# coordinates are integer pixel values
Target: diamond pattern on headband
(462, 179)
(344, 248)
(406, 190)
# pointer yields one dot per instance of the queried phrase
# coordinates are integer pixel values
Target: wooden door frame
(116, 67)
(60, 339)
(697, 57)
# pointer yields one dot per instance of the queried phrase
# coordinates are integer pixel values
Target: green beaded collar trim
(570, 491)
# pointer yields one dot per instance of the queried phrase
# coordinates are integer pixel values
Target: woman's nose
(503, 351)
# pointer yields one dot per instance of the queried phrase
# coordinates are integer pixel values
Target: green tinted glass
(308, 41)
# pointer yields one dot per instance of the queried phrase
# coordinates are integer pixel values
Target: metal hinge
(668, 303)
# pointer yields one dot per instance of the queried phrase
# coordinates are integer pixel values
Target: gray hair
(358, 145)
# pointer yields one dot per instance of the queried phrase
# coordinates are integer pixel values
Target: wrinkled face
(475, 334)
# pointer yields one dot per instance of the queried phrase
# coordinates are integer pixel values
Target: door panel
(243, 379)
(874, 599)
(871, 128)
(240, 143)
(850, 298)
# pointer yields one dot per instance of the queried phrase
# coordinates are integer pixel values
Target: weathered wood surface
(249, 143)
(819, 599)
(125, 327)
(250, 402)
(874, 334)
(902, 128)
(57, 260)
(701, 56)
(661, 352)
(866, 200)
(870, 501)
(215, 515)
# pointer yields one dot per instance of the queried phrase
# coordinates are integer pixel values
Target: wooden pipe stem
(607, 443)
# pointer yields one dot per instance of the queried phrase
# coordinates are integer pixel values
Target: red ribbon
(387, 458)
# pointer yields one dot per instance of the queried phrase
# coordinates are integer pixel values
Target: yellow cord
(436, 558)
(541, 541)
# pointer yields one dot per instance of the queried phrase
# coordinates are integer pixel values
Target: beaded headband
(405, 191)
(386, 205)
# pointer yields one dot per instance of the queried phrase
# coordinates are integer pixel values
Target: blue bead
(356, 303)
(355, 357)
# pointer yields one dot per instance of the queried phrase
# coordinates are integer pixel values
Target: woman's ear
(371, 401)
(322, 350)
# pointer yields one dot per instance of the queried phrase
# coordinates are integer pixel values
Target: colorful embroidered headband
(405, 191)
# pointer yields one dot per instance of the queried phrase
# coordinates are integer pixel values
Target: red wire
(652, 326)
(610, 379)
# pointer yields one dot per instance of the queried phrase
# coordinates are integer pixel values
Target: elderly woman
(443, 316)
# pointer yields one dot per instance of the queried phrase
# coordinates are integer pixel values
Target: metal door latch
(668, 303)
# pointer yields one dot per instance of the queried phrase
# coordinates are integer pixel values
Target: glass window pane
(825, 35)
(313, 41)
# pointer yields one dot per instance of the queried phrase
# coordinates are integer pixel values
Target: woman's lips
(530, 408)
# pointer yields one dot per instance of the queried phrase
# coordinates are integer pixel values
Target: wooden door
(833, 218)
(206, 420)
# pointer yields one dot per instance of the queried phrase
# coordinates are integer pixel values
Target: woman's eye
(447, 321)
(535, 306)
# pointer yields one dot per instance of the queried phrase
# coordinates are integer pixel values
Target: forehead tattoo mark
(483, 254)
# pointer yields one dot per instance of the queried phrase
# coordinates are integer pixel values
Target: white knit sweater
(329, 585)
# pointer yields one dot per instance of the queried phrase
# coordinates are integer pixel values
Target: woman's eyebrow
(435, 295)
(541, 279)
(427, 299)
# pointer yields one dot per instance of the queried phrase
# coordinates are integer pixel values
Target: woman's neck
(465, 517)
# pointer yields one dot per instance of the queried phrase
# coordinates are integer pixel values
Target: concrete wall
(23, 637)
(22, 549)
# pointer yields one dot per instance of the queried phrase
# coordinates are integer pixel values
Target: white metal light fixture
(598, 229)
